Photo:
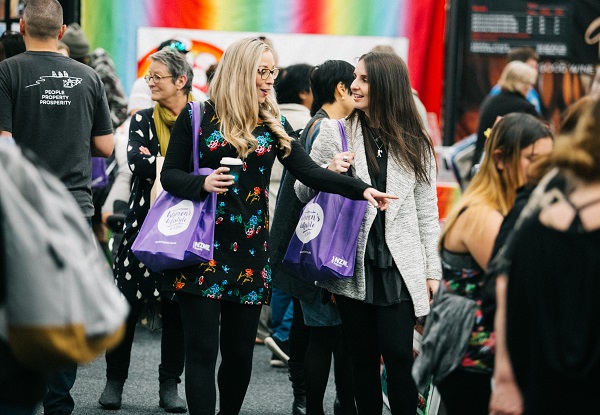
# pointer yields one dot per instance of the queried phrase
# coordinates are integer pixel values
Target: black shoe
(111, 396)
(169, 399)
(279, 348)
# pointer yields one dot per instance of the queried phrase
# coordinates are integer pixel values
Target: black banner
(496, 27)
(558, 29)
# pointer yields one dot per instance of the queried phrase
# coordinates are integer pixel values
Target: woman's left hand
(378, 199)
(432, 287)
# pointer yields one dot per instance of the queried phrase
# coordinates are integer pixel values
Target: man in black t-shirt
(56, 107)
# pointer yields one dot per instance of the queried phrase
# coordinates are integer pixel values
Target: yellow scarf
(164, 121)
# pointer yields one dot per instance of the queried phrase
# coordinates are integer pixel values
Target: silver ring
(345, 159)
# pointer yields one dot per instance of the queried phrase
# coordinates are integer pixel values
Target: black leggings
(376, 331)
(325, 341)
(466, 393)
(171, 344)
(238, 324)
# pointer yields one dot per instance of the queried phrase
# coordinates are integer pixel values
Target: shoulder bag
(323, 247)
(179, 232)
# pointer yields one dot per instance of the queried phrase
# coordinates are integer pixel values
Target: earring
(343, 97)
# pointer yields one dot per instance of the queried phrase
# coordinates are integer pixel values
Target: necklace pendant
(379, 152)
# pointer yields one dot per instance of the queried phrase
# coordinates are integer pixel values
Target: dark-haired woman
(397, 265)
(515, 142)
(316, 330)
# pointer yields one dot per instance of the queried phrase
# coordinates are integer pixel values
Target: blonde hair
(516, 75)
(233, 91)
(492, 187)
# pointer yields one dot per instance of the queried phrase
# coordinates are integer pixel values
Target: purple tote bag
(179, 232)
(99, 174)
(323, 247)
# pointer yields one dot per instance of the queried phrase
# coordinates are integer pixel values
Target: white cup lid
(231, 161)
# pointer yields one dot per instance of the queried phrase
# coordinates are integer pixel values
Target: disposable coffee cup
(235, 166)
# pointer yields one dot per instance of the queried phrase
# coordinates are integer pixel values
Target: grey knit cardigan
(412, 227)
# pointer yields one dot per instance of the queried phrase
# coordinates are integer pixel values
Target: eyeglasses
(156, 78)
(264, 73)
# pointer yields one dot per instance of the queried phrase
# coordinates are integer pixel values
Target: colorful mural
(113, 24)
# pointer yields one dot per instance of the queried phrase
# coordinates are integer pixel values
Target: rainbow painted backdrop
(112, 24)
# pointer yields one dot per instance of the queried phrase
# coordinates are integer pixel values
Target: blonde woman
(516, 80)
(220, 300)
(466, 245)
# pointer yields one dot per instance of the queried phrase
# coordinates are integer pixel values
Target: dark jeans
(171, 347)
(58, 399)
(373, 332)
(237, 330)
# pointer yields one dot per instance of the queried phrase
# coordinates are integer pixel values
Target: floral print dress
(462, 275)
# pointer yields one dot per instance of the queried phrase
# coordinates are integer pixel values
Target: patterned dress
(462, 275)
(240, 270)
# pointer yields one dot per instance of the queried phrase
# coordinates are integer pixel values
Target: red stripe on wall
(310, 15)
(425, 29)
(189, 14)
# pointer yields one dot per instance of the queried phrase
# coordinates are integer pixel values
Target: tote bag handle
(197, 108)
(344, 141)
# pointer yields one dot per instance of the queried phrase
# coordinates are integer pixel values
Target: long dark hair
(393, 115)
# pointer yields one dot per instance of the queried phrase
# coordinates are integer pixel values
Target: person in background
(552, 312)
(63, 49)
(506, 398)
(170, 80)
(220, 300)
(316, 330)
(63, 136)
(140, 96)
(516, 141)
(295, 99)
(102, 63)
(530, 57)
(397, 266)
(11, 44)
(516, 80)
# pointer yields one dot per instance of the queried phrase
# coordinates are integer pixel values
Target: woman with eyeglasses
(221, 300)
(170, 80)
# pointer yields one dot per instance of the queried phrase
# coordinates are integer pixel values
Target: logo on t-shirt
(52, 94)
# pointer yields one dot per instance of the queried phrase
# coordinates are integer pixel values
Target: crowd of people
(521, 242)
